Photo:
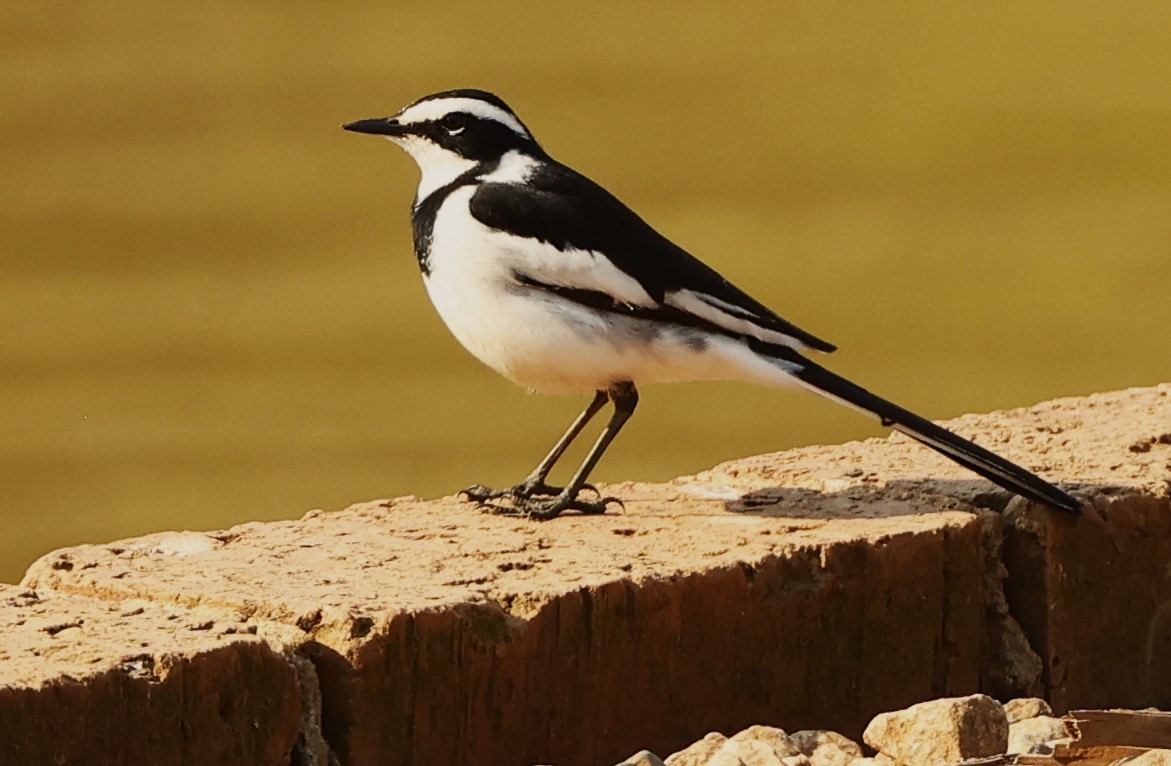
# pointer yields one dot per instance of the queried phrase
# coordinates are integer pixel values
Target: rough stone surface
(1093, 593)
(1011, 668)
(1024, 734)
(434, 627)
(832, 582)
(759, 746)
(775, 739)
(941, 731)
(87, 681)
(1152, 758)
(1026, 707)
(826, 748)
(877, 760)
(698, 753)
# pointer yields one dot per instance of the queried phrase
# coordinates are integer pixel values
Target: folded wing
(609, 258)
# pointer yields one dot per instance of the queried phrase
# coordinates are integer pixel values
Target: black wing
(561, 207)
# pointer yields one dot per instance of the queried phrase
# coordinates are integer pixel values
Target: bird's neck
(438, 182)
(441, 174)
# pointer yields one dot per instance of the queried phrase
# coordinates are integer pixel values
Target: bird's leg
(625, 398)
(534, 483)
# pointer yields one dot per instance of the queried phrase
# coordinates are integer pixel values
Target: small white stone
(1024, 734)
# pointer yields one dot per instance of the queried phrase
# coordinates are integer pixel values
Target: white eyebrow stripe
(436, 108)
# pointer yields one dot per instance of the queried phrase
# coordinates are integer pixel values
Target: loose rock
(1024, 735)
(698, 753)
(747, 752)
(826, 748)
(1152, 758)
(759, 746)
(1026, 707)
(941, 731)
(643, 758)
(776, 739)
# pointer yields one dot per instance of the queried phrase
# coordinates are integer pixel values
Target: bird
(547, 278)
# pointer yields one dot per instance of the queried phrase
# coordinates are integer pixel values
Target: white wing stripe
(572, 268)
(698, 304)
(730, 308)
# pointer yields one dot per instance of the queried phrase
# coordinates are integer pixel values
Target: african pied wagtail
(551, 281)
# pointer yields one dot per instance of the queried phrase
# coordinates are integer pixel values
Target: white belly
(550, 344)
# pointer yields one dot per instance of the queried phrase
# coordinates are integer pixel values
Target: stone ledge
(89, 681)
(809, 589)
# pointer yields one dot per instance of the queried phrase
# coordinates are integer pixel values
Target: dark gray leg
(534, 483)
(625, 398)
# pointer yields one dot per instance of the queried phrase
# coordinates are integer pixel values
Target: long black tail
(972, 456)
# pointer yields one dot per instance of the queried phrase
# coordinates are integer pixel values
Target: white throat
(437, 166)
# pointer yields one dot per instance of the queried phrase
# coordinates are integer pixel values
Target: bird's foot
(539, 504)
(526, 490)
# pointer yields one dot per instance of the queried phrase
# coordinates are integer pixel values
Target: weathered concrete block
(439, 632)
(1093, 594)
(812, 588)
(121, 682)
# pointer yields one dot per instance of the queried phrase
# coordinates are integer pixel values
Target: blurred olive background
(210, 310)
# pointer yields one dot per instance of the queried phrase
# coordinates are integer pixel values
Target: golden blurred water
(210, 312)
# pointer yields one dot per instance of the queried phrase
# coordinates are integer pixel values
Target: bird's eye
(454, 123)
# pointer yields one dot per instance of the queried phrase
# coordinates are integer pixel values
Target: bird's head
(451, 132)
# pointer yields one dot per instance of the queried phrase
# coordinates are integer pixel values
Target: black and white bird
(550, 280)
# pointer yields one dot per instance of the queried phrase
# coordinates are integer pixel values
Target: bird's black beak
(379, 126)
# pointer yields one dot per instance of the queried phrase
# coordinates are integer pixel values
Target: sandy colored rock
(434, 628)
(698, 753)
(643, 758)
(767, 750)
(1072, 582)
(826, 748)
(776, 739)
(941, 731)
(1026, 707)
(1152, 758)
(876, 760)
(1011, 668)
(152, 683)
(1024, 734)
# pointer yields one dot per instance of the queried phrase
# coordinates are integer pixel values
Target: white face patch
(438, 166)
(436, 108)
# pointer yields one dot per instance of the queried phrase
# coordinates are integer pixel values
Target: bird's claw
(481, 493)
(544, 508)
(522, 493)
